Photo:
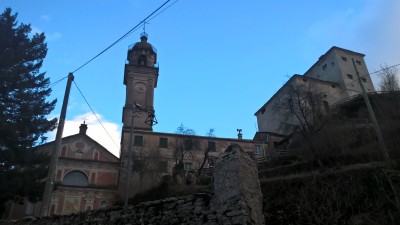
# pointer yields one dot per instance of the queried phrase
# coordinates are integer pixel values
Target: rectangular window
(188, 166)
(138, 141)
(358, 62)
(188, 144)
(324, 67)
(137, 165)
(364, 79)
(163, 142)
(349, 76)
(257, 149)
(163, 166)
(344, 58)
(211, 146)
(276, 144)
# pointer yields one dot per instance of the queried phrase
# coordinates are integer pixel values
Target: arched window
(75, 178)
(142, 60)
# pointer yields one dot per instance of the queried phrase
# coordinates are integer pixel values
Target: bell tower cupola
(140, 79)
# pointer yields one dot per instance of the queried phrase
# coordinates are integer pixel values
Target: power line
(95, 114)
(55, 83)
(384, 69)
(122, 37)
(377, 71)
(162, 10)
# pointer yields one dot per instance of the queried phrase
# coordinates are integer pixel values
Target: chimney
(239, 134)
(83, 128)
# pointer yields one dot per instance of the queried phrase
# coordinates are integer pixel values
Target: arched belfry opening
(142, 60)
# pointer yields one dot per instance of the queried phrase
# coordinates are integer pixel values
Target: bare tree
(389, 78)
(184, 146)
(301, 106)
(210, 133)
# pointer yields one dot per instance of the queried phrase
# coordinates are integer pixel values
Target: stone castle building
(333, 75)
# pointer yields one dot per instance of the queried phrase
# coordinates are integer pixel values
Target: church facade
(86, 178)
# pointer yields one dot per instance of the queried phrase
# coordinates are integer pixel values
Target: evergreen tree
(23, 109)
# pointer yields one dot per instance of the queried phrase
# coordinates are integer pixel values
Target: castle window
(344, 58)
(358, 62)
(163, 166)
(76, 178)
(364, 79)
(188, 166)
(304, 80)
(138, 141)
(188, 144)
(257, 149)
(211, 146)
(163, 142)
(142, 61)
(349, 76)
(324, 67)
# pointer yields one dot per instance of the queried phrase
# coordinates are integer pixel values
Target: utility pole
(128, 172)
(372, 115)
(48, 191)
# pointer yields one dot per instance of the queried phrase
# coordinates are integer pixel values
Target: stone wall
(237, 200)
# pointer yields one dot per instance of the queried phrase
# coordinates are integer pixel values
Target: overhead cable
(123, 36)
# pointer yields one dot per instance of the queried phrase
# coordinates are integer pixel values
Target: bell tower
(140, 79)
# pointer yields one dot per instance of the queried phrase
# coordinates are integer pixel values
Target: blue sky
(220, 61)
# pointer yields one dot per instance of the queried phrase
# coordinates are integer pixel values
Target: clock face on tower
(140, 88)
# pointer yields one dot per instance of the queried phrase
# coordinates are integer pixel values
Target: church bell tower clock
(140, 79)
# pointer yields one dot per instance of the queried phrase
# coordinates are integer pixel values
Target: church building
(146, 155)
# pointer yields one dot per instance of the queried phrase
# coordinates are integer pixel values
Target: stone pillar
(237, 188)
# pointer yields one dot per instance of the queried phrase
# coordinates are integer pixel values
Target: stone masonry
(237, 188)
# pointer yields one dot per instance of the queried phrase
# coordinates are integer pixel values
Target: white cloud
(53, 36)
(45, 17)
(49, 36)
(95, 131)
(35, 30)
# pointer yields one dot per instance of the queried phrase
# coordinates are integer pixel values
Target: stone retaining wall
(237, 200)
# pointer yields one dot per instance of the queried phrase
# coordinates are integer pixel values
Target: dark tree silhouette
(23, 109)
